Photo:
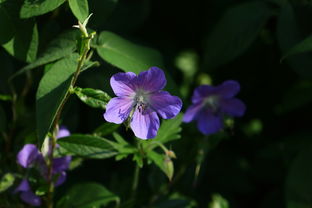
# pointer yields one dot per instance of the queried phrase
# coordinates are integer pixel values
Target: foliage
(57, 58)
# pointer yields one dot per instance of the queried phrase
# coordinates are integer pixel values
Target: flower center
(141, 101)
(212, 102)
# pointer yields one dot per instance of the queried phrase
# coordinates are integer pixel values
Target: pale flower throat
(212, 102)
(141, 100)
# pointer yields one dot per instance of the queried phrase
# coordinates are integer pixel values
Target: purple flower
(211, 103)
(28, 155)
(141, 99)
(27, 195)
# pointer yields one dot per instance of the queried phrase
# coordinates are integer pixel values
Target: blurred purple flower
(62, 132)
(140, 97)
(27, 195)
(28, 155)
(211, 103)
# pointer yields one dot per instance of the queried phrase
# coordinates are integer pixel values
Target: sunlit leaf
(88, 146)
(92, 97)
(80, 9)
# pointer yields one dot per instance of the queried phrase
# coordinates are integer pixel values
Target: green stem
(135, 180)
(81, 61)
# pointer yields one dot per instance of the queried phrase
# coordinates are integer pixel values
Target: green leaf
(299, 181)
(5, 97)
(63, 45)
(106, 129)
(80, 9)
(169, 130)
(6, 181)
(301, 47)
(92, 97)
(87, 195)
(235, 32)
(288, 35)
(163, 162)
(88, 146)
(25, 42)
(7, 23)
(218, 202)
(32, 8)
(51, 92)
(125, 54)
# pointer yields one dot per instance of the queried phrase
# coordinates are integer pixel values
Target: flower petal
(208, 123)
(62, 132)
(228, 89)
(203, 92)
(27, 155)
(233, 107)
(152, 80)
(118, 109)
(192, 112)
(166, 105)
(23, 186)
(30, 198)
(61, 179)
(123, 84)
(60, 164)
(145, 126)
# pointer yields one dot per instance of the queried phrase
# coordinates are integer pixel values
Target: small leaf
(92, 97)
(163, 162)
(106, 129)
(87, 195)
(32, 8)
(6, 182)
(80, 9)
(51, 92)
(88, 146)
(125, 54)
